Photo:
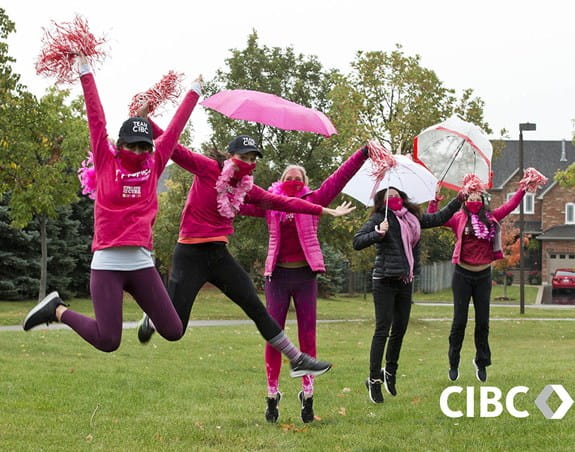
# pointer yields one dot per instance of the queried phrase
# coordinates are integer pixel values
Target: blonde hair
(301, 169)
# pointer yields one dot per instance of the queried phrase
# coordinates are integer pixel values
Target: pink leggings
(107, 289)
(301, 285)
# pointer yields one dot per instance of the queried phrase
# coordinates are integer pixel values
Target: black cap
(243, 144)
(137, 130)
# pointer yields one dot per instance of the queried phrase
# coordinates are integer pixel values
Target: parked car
(563, 279)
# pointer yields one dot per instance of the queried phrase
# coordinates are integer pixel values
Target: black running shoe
(389, 382)
(306, 365)
(43, 312)
(373, 386)
(480, 372)
(306, 408)
(453, 374)
(272, 411)
(145, 330)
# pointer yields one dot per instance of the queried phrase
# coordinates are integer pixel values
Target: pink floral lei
(481, 230)
(231, 197)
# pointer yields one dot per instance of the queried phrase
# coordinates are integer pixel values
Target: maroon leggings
(107, 289)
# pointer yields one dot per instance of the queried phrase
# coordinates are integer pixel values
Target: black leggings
(466, 285)
(194, 265)
(392, 300)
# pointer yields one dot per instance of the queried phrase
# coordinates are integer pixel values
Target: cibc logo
(492, 401)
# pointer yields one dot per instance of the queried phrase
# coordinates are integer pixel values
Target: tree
(42, 159)
(566, 178)
(510, 244)
(18, 259)
(392, 98)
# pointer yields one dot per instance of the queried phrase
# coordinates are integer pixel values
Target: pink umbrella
(270, 110)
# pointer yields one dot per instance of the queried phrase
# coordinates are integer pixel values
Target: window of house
(570, 213)
(528, 203)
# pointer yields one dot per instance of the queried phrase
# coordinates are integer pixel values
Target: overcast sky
(516, 55)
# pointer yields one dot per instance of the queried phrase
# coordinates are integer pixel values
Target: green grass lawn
(207, 391)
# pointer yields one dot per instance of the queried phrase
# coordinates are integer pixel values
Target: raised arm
(508, 207)
(166, 142)
(186, 158)
(94, 112)
(441, 218)
(334, 184)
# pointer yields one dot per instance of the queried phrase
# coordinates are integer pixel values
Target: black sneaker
(453, 374)
(306, 365)
(306, 408)
(480, 372)
(145, 330)
(272, 411)
(373, 386)
(43, 312)
(389, 382)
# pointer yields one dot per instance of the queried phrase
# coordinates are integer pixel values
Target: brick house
(549, 214)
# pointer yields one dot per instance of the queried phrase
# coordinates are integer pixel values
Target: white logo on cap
(140, 127)
(247, 141)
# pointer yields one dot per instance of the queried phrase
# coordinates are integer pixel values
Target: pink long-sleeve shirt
(126, 202)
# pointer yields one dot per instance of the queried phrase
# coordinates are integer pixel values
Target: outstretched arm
(333, 185)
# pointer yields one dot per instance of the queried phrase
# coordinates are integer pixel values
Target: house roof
(562, 232)
(545, 156)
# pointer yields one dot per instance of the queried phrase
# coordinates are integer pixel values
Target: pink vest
(307, 225)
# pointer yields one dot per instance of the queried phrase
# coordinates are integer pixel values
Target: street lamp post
(523, 126)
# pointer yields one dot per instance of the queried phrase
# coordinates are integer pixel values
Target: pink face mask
(395, 203)
(132, 161)
(292, 187)
(244, 168)
(473, 206)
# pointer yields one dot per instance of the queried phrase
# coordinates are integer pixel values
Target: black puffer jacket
(390, 260)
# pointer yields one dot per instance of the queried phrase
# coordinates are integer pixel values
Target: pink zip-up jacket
(458, 221)
(306, 225)
(126, 203)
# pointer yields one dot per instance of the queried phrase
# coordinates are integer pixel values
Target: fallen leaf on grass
(342, 411)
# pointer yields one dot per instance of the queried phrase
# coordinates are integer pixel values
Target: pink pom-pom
(87, 176)
(61, 47)
(168, 89)
(381, 158)
(532, 180)
(472, 184)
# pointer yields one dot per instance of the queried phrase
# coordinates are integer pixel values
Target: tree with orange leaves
(510, 248)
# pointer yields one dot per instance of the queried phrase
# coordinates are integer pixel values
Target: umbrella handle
(457, 151)
(386, 201)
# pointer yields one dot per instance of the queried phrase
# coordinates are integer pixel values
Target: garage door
(560, 260)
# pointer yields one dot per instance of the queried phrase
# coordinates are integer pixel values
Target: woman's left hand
(343, 209)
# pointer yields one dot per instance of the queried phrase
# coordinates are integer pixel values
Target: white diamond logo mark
(566, 401)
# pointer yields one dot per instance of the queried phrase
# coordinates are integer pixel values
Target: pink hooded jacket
(307, 225)
(458, 221)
